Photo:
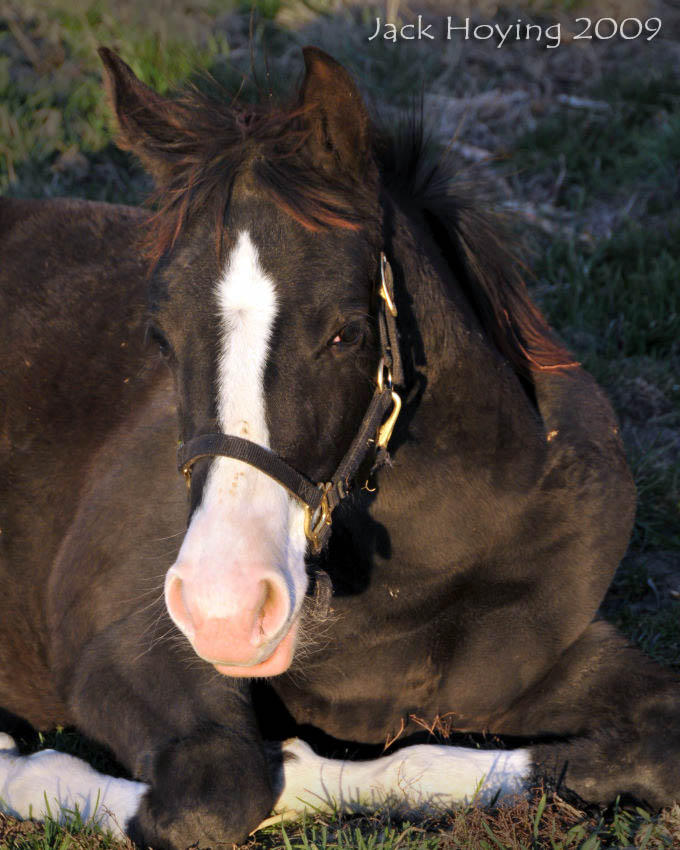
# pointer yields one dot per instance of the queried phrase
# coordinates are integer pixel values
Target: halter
(320, 500)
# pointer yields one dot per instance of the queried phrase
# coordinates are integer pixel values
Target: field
(577, 143)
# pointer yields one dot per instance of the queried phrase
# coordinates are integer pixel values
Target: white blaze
(247, 303)
(246, 521)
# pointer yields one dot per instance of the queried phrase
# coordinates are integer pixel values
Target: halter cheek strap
(320, 500)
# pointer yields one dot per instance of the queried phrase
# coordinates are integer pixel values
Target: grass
(56, 139)
(658, 633)
(618, 292)
(530, 826)
(616, 298)
(53, 835)
(609, 285)
(544, 823)
(635, 142)
(639, 607)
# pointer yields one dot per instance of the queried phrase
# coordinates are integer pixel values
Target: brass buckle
(380, 379)
(316, 519)
(384, 294)
(386, 429)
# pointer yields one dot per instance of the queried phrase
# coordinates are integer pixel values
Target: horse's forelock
(215, 142)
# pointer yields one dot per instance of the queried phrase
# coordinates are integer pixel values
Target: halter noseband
(320, 500)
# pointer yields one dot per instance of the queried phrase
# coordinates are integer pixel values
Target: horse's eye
(351, 334)
(156, 336)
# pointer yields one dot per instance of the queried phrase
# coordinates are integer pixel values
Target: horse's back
(72, 302)
(72, 290)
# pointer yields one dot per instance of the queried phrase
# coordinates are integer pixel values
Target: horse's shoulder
(50, 247)
(26, 218)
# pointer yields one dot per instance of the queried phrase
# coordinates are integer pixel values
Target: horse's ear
(339, 123)
(144, 117)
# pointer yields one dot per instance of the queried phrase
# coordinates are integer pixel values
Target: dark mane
(475, 245)
(208, 141)
(204, 143)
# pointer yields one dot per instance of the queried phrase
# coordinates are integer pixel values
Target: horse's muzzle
(250, 632)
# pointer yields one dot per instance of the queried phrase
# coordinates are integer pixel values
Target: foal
(328, 313)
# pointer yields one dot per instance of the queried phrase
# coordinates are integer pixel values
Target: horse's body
(464, 589)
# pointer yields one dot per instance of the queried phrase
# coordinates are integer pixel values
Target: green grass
(635, 143)
(55, 137)
(657, 477)
(622, 293)
(616, 299)
(657, 632)
(53, 835)
(542, 824)
(643, 612)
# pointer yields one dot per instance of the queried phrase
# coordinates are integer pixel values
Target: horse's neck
(451, 353)
(470, 434)
(473, 445)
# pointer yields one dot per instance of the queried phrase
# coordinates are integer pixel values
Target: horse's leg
(54, 784)
(605, 721)
(419, 778)
(423, 778)
(127, 677)
(616, 715)
(177, 725)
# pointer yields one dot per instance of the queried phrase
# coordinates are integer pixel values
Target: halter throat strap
(375, 430)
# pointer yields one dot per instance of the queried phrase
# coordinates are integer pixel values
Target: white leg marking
(53, 784)
(7, 745)
(422, 778)
(419, 779)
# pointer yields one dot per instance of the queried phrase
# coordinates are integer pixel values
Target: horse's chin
(277, 662)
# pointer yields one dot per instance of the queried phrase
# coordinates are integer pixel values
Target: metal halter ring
(384, 292)
(381, 378)
(316, 519)
(386, 429)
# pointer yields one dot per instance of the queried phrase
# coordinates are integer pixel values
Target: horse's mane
(212, 140)
(475, 243)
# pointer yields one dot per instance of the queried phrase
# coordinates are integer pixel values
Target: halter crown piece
(320, 500)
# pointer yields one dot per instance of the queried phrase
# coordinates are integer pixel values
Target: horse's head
(266, 250)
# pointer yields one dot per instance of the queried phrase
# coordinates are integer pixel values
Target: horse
(406, 500)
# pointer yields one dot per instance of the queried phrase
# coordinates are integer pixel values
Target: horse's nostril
(176, 605)
(230, 625)
(273, 610)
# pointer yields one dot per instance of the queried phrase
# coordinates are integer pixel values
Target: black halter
(320, 500)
